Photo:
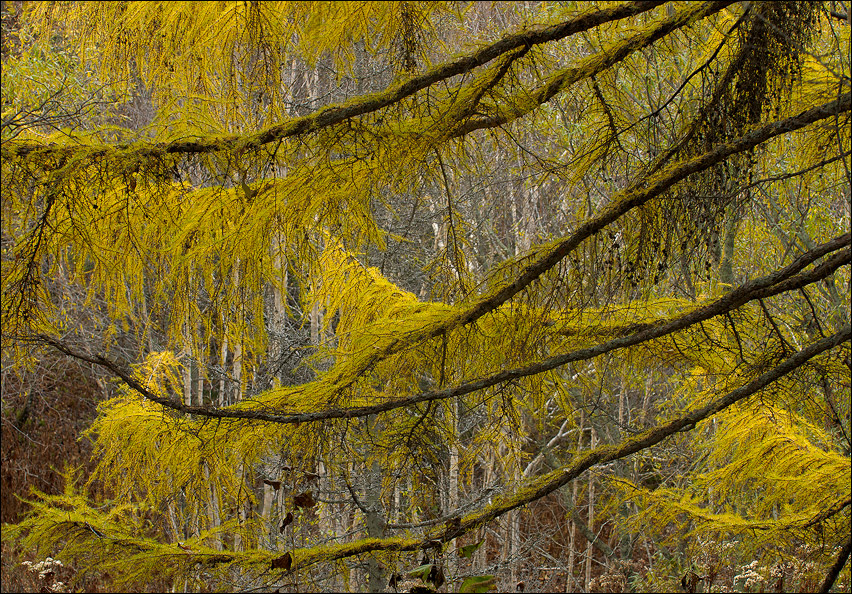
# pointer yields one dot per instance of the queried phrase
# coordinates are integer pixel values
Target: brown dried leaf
(284, 562)
(288, 519)
(305, 500)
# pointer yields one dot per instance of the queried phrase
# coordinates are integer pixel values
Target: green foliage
(478, 583)
(467, 551)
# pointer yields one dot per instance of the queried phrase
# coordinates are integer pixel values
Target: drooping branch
(642, 333)
(531, 489)
(831, 577)
(782, 280)
(639, 193)
(336, 114)
(536, 488)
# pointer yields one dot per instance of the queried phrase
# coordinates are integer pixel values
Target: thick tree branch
(639, 193)
(831, 577)
(336, 114)
(534, 489)
(785, 279)
(538, 488)
(591, 66)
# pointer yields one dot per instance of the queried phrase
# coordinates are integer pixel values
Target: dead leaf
(436, 576)
(284, 562)
(305, 500)
(689, 582)
(394, 580)
(288, 519)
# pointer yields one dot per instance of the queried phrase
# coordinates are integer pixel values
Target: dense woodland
(458, 296)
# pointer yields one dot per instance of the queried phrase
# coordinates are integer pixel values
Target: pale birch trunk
(213, 507)
(223, 383)
(453, 495)
(238, 379)
(375, 523)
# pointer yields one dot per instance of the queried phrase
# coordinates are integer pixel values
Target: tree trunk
(375, 524)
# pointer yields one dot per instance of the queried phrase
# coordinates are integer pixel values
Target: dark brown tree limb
(598, 63)
(831, 577)
(538, 487)
(640, 192)
(830, 511)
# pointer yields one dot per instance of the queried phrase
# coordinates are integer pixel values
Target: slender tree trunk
(213, 507)
(726, 265)
(453, 495)
(223, 383)
(570, 582)
(187, 368)
(514, 549)
(375, 525)
(590, 551)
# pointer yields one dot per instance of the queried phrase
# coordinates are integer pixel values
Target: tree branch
(782, 280)
(595, 64)
(639, 193)
(336, 114)
(539, 487)
(534, 489)
(831, 577)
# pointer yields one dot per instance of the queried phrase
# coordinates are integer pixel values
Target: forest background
(366, 296)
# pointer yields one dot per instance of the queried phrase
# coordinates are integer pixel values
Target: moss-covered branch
(335, 114)
(536, 488)
(639, 193)
(539, 487)
(786, 279)
(526, 101)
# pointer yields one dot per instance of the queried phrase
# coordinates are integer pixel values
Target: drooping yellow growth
(249, 209)
(770, 474)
